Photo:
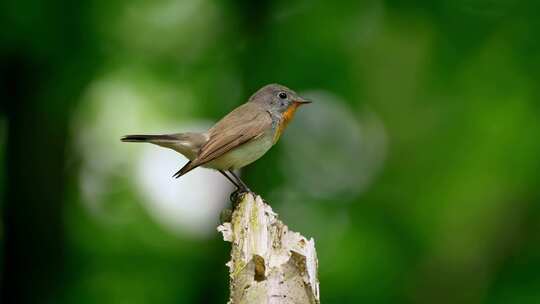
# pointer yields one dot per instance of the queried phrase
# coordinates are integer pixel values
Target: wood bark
(269, 263)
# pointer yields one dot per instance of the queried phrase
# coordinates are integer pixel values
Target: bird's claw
(237, 196)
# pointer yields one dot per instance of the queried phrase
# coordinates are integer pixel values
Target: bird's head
(281, 102)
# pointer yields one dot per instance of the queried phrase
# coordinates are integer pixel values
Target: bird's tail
(149, 138)
(187, 144)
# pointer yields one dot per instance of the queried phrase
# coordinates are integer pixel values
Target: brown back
(247, 122)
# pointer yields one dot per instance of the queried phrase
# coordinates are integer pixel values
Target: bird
(241, 137)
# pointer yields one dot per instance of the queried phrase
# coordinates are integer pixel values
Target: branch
(269, 263)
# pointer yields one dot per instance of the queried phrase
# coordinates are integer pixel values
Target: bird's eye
(282, 95)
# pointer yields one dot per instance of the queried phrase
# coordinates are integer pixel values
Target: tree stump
(269, 263)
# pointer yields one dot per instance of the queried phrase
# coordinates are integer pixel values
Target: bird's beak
(302, 101)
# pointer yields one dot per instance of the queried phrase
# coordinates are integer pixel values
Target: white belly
(243, 155)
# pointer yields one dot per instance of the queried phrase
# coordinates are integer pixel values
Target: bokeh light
(415, 169)
(190, 204)
(329, 151)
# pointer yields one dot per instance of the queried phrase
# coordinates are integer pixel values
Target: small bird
(238, 139)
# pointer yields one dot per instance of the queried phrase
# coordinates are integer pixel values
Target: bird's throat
(284, 121)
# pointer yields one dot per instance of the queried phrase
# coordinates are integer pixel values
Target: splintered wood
(269, 263)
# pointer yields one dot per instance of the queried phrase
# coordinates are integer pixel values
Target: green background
(416, 169)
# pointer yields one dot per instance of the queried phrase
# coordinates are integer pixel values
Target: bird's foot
(238, 195)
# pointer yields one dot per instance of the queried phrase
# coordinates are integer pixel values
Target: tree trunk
(269, 263)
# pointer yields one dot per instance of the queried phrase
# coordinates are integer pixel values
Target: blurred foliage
(426, 114)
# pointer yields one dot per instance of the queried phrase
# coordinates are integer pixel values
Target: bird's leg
(235, 195)
(229, 178)
(243, 187)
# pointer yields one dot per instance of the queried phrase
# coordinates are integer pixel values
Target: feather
(242, 125)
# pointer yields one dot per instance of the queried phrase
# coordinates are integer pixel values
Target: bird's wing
(242, 125)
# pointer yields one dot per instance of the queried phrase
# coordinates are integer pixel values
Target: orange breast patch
(285, 119)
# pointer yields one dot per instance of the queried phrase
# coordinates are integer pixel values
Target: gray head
(278, 98)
